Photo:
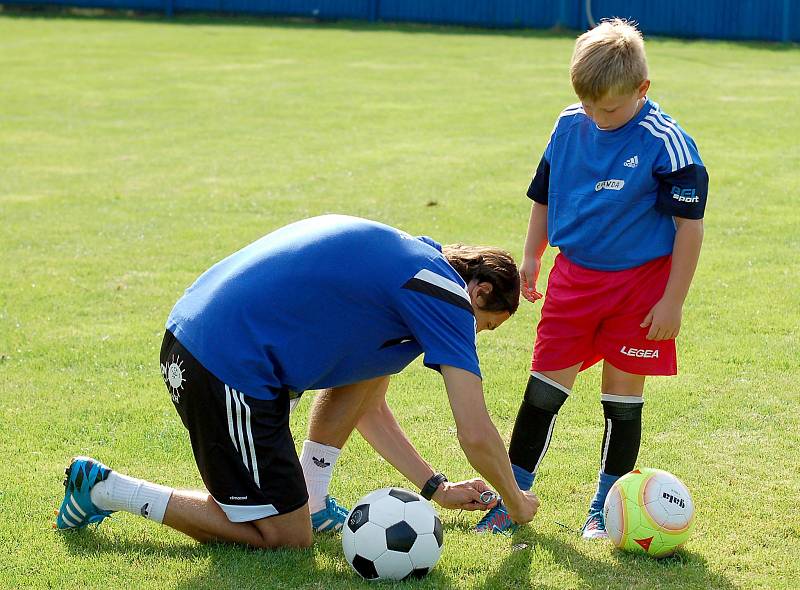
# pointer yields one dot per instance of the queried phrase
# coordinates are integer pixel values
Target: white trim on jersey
(665, 139)
(572, 109)
(247, 513)
(658, 123)
(677, 131)
(445, 283)
(672, 136)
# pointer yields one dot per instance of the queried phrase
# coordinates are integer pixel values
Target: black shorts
(242, 445)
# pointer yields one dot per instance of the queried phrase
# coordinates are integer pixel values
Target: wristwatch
(430, 487)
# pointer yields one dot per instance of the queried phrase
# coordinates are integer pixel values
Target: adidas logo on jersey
(631, 162)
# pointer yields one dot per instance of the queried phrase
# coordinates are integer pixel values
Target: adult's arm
(381, 430)
(482, 444)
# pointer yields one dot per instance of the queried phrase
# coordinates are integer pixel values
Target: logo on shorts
(321, 463)
(641, 353)
(613, 185)
(145, 510)
(237, 498)
(173, 377)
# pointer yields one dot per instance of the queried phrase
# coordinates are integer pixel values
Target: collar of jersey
(614, 135)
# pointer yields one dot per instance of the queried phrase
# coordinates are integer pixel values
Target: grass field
(135, 153)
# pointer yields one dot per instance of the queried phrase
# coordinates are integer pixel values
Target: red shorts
(589, 315)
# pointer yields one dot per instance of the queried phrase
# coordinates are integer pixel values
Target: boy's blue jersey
(325, 302)
(611, 195)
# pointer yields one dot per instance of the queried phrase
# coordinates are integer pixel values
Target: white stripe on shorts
(241, 448)
(253, 461)
(247, 513)
(230, 416)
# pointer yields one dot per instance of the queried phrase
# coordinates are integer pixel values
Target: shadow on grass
(683, 570)
(216, 566)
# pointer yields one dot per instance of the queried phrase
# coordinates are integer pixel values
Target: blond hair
(608, 60)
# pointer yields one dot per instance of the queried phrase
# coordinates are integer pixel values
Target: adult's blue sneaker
(497, 521)
(77, 510)
(330, 518)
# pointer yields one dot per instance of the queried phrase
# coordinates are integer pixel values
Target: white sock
(120, 492)
(317, 461)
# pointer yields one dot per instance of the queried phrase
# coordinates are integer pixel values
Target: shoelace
(495, 518)
(335, 507)
(594, 522)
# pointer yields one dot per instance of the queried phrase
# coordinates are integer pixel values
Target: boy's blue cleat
(77, 509)
(330, 518)
(595, 526)
(497, 521)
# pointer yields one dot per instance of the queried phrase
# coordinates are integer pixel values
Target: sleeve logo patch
(613, 184)
(685, 195)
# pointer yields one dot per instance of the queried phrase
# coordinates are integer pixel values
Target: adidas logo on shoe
(321, 463)
(631, 162)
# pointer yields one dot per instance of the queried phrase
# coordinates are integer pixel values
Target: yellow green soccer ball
(649, 511)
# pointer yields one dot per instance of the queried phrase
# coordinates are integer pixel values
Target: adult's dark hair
(489, 265)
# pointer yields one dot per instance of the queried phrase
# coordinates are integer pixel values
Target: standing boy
(620, 191)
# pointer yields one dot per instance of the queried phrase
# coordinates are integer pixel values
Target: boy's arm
(535, 244)
(665, 317)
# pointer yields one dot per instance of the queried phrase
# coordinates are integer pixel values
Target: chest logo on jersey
(612, 185)
(631, 162)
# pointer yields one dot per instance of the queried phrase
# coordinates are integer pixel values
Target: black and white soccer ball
(392, 534)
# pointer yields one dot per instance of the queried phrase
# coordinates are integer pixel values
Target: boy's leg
(545, 393)
(622, 409)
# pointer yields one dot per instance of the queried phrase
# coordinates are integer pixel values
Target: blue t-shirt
(611, 195)
(325, 302)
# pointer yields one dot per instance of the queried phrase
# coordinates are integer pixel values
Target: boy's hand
(528, 275)
(664, 320)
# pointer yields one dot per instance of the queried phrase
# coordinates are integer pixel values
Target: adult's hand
(523, 508)
(463, 495)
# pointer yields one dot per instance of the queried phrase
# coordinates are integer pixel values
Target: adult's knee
(281, 539)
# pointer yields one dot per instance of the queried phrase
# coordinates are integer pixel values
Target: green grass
(133, 154)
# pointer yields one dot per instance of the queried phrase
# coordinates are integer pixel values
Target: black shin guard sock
(622, 436)
(535, 421)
